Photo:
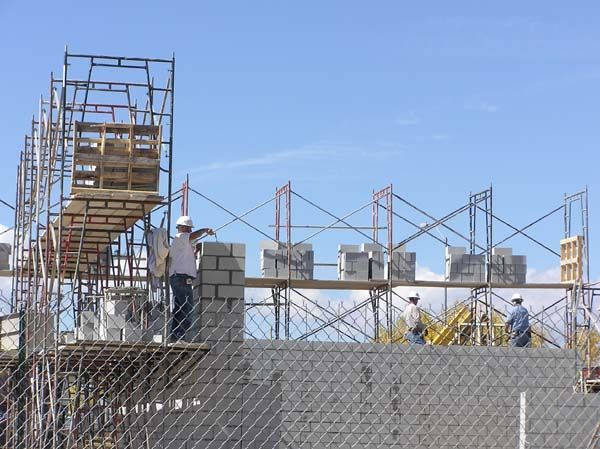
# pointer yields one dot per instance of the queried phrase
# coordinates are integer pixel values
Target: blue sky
(342, 97)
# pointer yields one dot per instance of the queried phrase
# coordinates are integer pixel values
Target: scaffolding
(573, 307)
(94, 176)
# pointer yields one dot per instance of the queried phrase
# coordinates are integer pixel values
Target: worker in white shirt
(414, 326)
(182, 271)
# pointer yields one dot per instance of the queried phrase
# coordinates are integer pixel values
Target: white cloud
(324, 151)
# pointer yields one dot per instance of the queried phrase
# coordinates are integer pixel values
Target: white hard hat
(516, 297)
(184, 220)
(414, 295)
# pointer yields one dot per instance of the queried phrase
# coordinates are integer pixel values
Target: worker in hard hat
(414, 326)
(517, 324)
(182, 271)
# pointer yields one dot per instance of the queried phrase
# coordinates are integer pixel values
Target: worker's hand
(210, 231)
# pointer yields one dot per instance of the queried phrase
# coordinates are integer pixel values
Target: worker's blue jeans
(520, 340)
(414, 338)
(182, 306)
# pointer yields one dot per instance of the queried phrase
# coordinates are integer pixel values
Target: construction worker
(517, 323)
(182, 271)
(414, 326)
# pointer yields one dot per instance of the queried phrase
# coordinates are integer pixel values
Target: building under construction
(86, 358)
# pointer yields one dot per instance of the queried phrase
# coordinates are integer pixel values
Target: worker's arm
(200, 232)
(509, 321)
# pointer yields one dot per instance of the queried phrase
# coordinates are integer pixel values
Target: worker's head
(184, 224)
(516, 298)
(413, 297)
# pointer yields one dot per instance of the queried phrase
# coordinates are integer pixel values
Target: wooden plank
(93, 159)
(326, 284)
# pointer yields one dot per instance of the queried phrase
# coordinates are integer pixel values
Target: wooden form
(571, 259)
(116, 156)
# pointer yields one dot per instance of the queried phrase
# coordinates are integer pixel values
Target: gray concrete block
(502, 252)
(208, 262)
(116, 321)
(269, 273)
(230, 291)
(238, 278)
(9, 342)
(215, 249)
(368, 247)
(117, 307)
(344, 248)
(269, 245)
(232, 263)
(112, 334)
(238, 250)
(214, 277)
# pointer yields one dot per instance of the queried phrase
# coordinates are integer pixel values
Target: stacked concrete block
(376, 259)
(89, 326)
(9, 331)
(274, 261)
(353, 264)
(5, 250)
(38, 331)
(507, 268)
(403, 265)
(218, 315)
(462, 267)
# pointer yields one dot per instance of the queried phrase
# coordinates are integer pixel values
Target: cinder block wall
(275, 394)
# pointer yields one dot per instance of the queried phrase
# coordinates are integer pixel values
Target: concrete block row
(274, 263)
(403, 266)
(353, 266)
(38, 330)
(222, 249)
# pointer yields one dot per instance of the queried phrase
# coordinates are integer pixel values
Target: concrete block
(133, 334)
(302, 247)
(10, 323)
(86, 333)
(117, 307)
(214, 277)
(268, 258)
(116, 321)
(205, 291)
(230, 291)
(112, 334)
(87, 317)
(269, 245)
(502, 252)
(215, 249)
(368, 247)
(67, 337)
(238, 250)
(343, 248)
(238, 278)
(208, 262)
(377, 265)
(269, 272)
(232, 263)
(455, 251)
(9, 342)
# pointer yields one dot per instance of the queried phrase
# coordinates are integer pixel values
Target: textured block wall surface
(274, 394)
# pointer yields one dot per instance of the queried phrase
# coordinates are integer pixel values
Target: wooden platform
(109, 214)
(318, 284)
(106, 354)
